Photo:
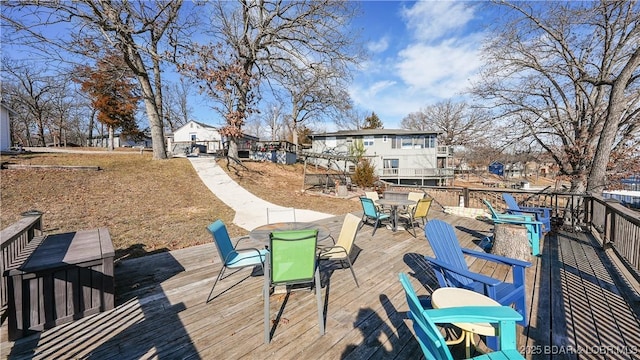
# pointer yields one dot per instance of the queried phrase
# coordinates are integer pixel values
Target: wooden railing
(611, 223)
(616, 226)
(416, 172)
(16, 245)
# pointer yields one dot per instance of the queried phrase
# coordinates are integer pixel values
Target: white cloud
(430, 20)
(378, 46)
(437, 62)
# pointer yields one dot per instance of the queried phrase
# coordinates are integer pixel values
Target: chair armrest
(240, 239)
(496, 258)
(329, 248)
(503, 220)
(466, 273)
(473, 314)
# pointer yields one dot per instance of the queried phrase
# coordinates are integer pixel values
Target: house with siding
(399, 156)
(206, 138)
(5, 127)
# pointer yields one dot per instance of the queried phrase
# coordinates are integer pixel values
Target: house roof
(373, 132)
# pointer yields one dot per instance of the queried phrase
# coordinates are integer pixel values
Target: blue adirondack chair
(543, 214)
(534, 228)
(432, 343)
(451, 268)
(370, 212)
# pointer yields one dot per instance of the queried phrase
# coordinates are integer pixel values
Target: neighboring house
(120, 140)
(399, 156)
(206, 138)
(5, 127)
(195, 133)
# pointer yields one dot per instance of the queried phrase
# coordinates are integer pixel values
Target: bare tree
(275, 40)
(565, 74)
(32, 95)
(459, 123)
(135, 29)
(177, 111)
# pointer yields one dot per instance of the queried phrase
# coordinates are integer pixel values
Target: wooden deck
(577, 304)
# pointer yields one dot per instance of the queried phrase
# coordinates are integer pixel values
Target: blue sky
(420, 53)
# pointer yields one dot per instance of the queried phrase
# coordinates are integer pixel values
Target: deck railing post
(465, 196)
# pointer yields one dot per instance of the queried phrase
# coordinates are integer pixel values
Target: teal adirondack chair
(543, 214)
(434, 346)
(534, 228)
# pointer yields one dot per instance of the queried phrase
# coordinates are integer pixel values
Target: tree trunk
(597, 176)
(511, 241)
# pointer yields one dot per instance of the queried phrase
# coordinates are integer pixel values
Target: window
(193, 137)
(407, 142)
(367, 141)
(390, 163)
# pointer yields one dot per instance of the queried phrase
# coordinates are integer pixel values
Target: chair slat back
(293, 256)
(368, 207)
(431, 341)
(222, 240)
(445, 246)
(510, 201)
(494, 213)
(348, 232)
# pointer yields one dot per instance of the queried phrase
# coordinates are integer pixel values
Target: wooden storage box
(66, 277)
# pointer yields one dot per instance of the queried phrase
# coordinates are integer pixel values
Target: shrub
(364, 175)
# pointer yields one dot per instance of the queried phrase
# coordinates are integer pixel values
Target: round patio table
(261, 233)
(455, 297)
(394, 203)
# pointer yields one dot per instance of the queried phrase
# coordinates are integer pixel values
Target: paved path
(251, 211)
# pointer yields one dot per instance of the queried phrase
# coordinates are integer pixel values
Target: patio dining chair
(230, 255)
(276, 215)
(451, 268)
(341, 251)
(370, 212)
(373, 195)
(542, 214)
(534, 228)
(419, 211)
(292, 260)
(434, 346)
(415, 196)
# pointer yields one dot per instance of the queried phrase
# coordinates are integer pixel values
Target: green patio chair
(292, 260)
(434, 346)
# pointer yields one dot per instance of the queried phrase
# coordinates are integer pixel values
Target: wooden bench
(58, 278)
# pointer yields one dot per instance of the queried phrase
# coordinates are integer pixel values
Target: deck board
(574, 297)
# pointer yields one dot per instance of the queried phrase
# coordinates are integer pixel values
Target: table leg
(394, 210)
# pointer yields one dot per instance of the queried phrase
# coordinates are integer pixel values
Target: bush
(364, 175)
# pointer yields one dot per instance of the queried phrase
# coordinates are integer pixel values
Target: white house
(5, 127)
(206, 138)
(195, 133)
(399, 156)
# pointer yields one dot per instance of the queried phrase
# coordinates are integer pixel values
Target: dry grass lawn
(148, 205)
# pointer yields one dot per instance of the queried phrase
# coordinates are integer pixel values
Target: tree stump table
(511, 241)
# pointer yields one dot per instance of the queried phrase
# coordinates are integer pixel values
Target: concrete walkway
(251, 211)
